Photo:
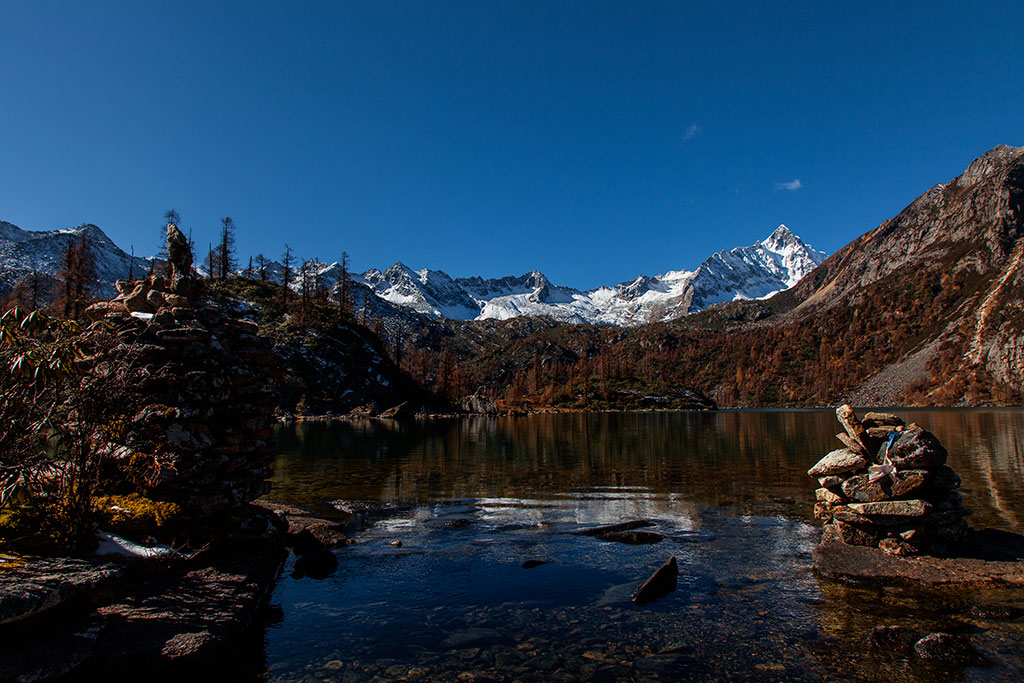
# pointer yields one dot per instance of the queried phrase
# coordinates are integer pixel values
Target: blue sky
(593, 141)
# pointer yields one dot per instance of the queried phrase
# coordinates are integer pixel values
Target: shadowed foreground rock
(661, 583)
(992, 558)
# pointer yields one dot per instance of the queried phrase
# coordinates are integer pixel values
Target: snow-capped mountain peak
(775, 263)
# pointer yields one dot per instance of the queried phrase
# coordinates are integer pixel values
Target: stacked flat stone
(889, 488)
(203, 436)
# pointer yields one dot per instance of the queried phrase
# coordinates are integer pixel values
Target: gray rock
(861, 489)
(839, 461)
(892, 508)
(882, 420)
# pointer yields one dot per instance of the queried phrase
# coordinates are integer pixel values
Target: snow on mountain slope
(756, 271)
(22, 251)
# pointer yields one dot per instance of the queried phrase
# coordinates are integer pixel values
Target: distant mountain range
(42, 251)
(756, 271)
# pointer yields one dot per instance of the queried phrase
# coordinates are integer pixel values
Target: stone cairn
(889, 488)
(203, 436)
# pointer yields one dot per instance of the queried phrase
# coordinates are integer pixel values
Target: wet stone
(947, 649)
(892, 639)
(631, 537)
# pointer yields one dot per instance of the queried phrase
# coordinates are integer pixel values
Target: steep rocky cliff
(962, 238)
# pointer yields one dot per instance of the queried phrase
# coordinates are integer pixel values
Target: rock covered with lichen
(889, 488)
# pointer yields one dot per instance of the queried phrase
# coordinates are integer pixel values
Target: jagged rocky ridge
(756, 271)
(750, 272)
(926, 309)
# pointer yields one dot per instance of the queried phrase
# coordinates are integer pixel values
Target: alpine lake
(473, 499)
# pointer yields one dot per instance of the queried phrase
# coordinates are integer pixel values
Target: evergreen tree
(287, 272)
(261, 267)
(226, 249)
(344, 286)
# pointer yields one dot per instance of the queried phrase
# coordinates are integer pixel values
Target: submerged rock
(631, 537)
(892, 639)
(614, 528)
(661, 583)
(948, 649)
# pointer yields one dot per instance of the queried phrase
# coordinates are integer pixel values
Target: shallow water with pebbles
(728, 492)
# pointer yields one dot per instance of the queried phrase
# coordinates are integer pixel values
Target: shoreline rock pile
(889, 488)
(202, 438)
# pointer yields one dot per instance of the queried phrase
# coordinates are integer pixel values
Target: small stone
(334, 665)
(396, 544)
(823, 511)
(176, 301)
(944, 479)
(856, 535)
(896, 547)
(624, 526)
(882, 420)
(838, 461)
(830, 481)
(826, 496)
(136, 301)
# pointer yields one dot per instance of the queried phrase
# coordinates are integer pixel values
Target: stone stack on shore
(201, 438)
(889, 488)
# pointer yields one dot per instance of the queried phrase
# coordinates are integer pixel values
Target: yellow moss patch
(10, 562)
(134, 514)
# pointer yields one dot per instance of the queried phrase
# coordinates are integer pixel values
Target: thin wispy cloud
(692, 131)
(791, 186)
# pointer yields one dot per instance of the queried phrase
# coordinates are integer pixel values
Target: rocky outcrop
(203, 436)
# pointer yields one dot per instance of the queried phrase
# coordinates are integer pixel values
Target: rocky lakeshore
(183, 561)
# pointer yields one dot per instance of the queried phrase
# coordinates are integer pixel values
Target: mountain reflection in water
(729, 492)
